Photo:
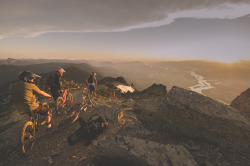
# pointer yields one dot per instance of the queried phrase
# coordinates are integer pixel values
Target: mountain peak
(242, 102)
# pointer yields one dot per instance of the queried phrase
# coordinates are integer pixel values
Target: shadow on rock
(89, 130)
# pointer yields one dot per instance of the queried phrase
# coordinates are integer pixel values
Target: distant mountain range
(228, 80)
(12, 61)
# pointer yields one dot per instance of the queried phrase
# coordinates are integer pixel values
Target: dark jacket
(57, 81)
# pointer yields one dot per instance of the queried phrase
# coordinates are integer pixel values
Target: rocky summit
(152, 127)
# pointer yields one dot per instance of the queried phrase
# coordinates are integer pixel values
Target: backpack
(51, 80)
(89, 130)
(91, 79)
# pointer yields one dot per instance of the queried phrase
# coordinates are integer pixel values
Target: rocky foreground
(152, 127)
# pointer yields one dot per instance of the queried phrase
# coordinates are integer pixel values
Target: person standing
(55, 83)
(92, 82)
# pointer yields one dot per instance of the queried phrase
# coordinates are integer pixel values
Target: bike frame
(65, 94)
(34, 118)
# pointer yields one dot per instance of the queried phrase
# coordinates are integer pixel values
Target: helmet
(27, 76)
(61, 70)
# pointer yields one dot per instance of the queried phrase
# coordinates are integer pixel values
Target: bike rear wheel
(59, 105)
(27, 136)
(69, 99)
(85, 93)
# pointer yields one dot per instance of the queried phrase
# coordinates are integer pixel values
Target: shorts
(92, 88)
(41, 109)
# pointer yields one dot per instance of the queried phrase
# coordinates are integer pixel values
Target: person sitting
(23, 94)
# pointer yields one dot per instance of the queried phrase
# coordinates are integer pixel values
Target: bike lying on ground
(86, 94)
(65, 99)
(88, 97)
(27, 137)
(75, 109)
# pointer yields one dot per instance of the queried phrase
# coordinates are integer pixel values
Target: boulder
(154, 91)
(242, 102)
(188, 113)
(141, 152)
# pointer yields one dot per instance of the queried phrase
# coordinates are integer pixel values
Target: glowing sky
(132, 29)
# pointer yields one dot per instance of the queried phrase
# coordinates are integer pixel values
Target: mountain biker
(25, 99)
(55, 85)
(92, 82)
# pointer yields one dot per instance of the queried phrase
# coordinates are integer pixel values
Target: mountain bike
(27, 137)
(65, 99)
(86, 94)
(117, 93)
(75, 109)
(88, 97)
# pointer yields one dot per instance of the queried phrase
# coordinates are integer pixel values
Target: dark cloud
(29, 17)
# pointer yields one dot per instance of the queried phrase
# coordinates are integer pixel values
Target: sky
(124, 30)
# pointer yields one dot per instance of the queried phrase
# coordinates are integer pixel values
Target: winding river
(202, 84)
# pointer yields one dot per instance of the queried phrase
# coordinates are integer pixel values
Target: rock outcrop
(191, 114)
(154, 91)
(144, 152)
(242, 102)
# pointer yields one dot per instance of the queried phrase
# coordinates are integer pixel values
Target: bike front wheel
(69, 99)
(59, 105)
(27, 136)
